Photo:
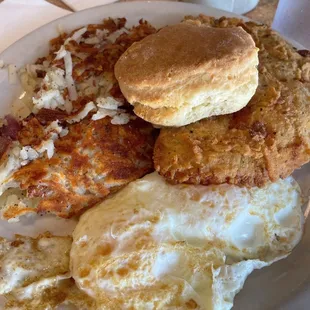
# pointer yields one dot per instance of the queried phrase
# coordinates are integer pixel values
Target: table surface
(264, 12)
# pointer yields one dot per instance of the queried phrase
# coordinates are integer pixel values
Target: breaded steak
(263, 142)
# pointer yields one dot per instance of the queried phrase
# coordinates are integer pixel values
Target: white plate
(284, 285)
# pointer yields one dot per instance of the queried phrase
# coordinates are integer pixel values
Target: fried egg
(35, 274)
(154, 245)
(58, 294)
(27, 260)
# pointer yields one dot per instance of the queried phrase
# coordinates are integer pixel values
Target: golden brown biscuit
(187, 72)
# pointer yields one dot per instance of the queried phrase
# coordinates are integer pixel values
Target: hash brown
(263, 142)
(64, 157)
(94, 159)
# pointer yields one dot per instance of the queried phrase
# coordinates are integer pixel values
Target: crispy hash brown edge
(121, 153)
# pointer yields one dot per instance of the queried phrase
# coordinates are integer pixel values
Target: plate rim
(153, 4)
(124, 4)
(136, 3)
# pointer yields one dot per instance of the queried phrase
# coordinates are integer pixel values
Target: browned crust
(153, 62)
(97, 156)
(263, 142)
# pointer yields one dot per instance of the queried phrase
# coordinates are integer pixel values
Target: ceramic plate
(284, 285)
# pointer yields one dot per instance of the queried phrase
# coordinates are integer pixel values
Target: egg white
(157, 246)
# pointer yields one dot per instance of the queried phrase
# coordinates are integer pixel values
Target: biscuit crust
(187, 72)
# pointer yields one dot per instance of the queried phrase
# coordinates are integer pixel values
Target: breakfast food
(162, 246)
(35, 274)
(56, 295)
(26, 260)
(94, 159)
(72, 139)
(263, 142)
(187, 72)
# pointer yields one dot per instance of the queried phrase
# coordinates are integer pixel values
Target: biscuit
(187, 72)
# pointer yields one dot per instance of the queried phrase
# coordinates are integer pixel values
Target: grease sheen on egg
(160, 246)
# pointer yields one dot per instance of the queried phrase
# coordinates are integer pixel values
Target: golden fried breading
(263, 142)
(93, 160)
